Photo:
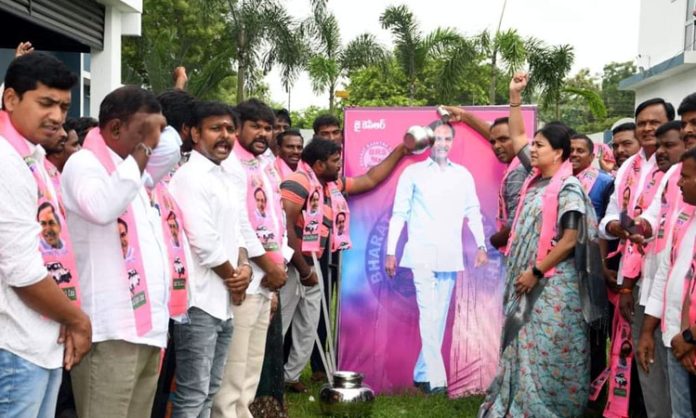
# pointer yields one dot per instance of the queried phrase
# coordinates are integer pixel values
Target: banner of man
(460, 305)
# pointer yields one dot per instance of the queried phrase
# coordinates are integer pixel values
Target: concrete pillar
(106, 64)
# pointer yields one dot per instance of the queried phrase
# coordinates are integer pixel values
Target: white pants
(300, 309)
(433, 294)
(244, 358)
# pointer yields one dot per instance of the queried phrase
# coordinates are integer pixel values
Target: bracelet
(625, 290)
(303, 278)
(515, 104)
(537, 273)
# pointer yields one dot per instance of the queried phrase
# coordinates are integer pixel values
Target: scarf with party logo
(670, 205)
(59, 259)
(261, 176)
(133, 269)
(588, 178)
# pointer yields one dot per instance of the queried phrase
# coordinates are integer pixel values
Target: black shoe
(422, 386)
(440, 390)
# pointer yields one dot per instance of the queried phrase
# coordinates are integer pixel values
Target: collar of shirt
(432, 162)
(201, 162)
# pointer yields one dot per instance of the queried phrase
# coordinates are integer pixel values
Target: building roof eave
(677, 64)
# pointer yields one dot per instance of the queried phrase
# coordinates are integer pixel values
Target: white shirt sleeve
(202, 231)
(472, 212)
(401, 210)
(21, 263)
(613, 212)
(164, 157)
(95, 195)
(656, 299)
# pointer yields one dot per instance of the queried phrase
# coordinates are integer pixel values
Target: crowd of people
(169, 257)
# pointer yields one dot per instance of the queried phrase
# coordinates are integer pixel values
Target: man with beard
(210, 202)
(433, 198)
(518, 167)
(257, 178)
(283, 122)
(69, 144)
(290, 146)
(636, 183)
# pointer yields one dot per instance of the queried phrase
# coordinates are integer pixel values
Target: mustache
(224, 142)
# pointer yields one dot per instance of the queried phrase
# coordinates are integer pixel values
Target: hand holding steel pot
(419, 138)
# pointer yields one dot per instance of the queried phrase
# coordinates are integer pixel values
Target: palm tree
(509, 46)
(413, 51)
(264, 34)
(331, 60)
(548, 68)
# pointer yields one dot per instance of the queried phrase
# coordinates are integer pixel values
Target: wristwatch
(688, 336)
(537, 273)
(145, 148)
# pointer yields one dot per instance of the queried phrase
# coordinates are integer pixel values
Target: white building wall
(672, 89)
(661, 31)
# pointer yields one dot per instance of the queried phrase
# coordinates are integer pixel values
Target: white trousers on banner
(433, 294)
(300, 309)
(244, 358)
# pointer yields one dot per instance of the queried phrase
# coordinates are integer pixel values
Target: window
(689, 26)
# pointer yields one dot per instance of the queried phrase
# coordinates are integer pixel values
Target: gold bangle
(515, 104)
(625, 290)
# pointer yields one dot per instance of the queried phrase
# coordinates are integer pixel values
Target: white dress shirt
(434, 201)
(94, 200)
(613, 212)
(667, 292)
(23, 331)
(234, 166)
(211, 203)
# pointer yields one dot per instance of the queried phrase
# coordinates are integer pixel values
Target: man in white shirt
(211, 203)
(128, 304)
(434, 197)
(642, 166)
(255, 175)
(41, 329)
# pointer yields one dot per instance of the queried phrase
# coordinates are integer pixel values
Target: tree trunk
(332, 92)
(494, 77)
(241, 64)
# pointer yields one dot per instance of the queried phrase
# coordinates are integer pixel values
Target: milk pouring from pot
(420, 138)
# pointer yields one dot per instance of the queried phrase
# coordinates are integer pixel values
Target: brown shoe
(318, 377)
(295, 387)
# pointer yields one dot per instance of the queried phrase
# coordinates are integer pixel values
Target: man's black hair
(253, 110)
(126, 101)
(673, 125)
(25, 72)
(688, 104)
(500, 121)
(628, 126)
(177, 107)
(290, 132)
(588, 141)
(207, 108)
(669, 109)
(284, 115)
(325, 120)
(319, 149)
(81, 126)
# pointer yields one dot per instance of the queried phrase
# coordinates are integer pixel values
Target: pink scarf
(340, 235)
(258, 173)
(283, 169)
(502, 208)
(60, 262)
(133, 265)
(634, 202)
(313, 213)
(588, 178)
(681, 224)
(547, 236)
(619, 368)
(172, 219)
(670, 204)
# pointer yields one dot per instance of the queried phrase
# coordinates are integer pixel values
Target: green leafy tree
(174, 32)
(619, 103)
(263, 35)
(413, 51)
(510, 48)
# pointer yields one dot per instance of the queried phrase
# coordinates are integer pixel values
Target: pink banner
(379, 328)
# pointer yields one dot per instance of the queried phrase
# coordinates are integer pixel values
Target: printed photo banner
(378, 326)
